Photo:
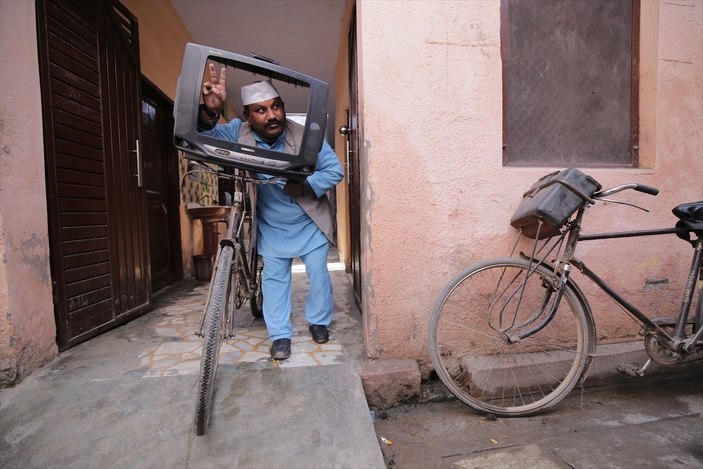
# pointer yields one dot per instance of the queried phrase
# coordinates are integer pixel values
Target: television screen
(294, 87)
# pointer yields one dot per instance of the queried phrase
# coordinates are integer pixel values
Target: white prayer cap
(258, 92)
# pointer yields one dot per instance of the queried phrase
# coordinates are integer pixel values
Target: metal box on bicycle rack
(551, 201)
(307, 93)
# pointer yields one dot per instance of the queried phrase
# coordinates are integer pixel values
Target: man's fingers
(216, 86)
(223, 76)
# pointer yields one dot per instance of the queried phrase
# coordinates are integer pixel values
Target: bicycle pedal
(631, 369)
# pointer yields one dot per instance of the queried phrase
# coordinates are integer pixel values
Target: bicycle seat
(690, 217)
(689, 212)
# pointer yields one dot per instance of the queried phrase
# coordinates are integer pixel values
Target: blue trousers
(276, 283)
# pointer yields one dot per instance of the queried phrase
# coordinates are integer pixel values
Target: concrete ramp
(126, 398)
(296, 417)
(290, 417)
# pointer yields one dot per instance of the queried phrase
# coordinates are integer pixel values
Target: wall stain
(655, 284)
(34, 255)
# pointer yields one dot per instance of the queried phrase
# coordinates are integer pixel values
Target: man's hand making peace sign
(214, 93)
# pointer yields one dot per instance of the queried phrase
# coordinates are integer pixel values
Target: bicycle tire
(478, 358)
(256, 302)
(213, 333)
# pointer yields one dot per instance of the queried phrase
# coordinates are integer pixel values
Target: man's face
(267, 118)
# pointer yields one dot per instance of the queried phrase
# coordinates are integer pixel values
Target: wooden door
(160, 166)
(89, 67)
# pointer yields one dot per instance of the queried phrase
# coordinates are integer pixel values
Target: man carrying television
(294, 218)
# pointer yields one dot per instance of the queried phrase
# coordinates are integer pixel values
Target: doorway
(160, 166)
(354, 170)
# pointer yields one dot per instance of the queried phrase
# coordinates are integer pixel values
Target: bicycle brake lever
(624, 203)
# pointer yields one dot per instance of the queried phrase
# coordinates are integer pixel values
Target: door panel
(90, 95)
(127, 202)
(354, 168)
(162, 187)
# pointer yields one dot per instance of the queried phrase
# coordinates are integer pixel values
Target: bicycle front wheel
(493, 345)
(214, 331)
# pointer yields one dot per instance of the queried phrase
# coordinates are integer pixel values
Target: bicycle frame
(235, 224)
(676, 341)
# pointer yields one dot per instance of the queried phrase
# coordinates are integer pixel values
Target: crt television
(308, 92)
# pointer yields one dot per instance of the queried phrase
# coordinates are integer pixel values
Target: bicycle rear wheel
(214, 331)
(474, 343)
(256, 301)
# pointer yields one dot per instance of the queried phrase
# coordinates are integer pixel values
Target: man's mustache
(273, 122)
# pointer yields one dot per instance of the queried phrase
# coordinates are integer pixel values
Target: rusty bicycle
(513, 336)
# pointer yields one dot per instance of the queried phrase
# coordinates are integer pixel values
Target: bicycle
(236, 278)
(513, 336)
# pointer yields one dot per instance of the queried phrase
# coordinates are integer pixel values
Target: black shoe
(280, 350)
(319, 333)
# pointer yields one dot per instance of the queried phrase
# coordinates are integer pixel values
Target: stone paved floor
(179, 350)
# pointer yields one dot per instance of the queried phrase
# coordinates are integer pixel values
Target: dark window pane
(568, 82)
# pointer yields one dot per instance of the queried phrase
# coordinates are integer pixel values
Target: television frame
(208, 149)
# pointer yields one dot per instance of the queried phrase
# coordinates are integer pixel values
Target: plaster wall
(437, 197)
(160, 48)
(27, 328)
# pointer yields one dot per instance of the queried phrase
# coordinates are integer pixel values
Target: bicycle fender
(589, 317)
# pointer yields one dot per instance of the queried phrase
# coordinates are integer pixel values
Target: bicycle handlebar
(634, 186)
(195, 167)
(647, 189)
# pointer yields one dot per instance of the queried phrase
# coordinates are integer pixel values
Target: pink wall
(437, 197)
(27, 330)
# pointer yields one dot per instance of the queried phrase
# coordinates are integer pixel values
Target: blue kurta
(285, 230)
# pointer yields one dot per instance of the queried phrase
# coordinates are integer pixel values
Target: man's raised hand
(214, 92)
